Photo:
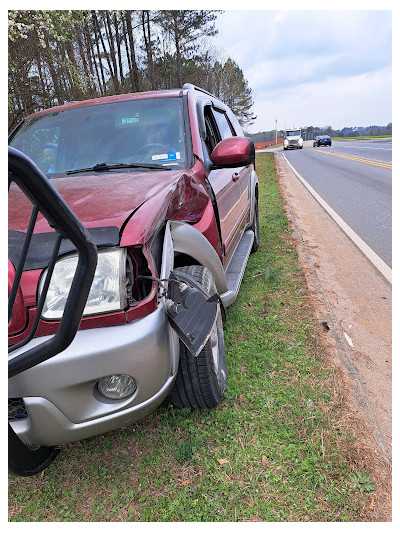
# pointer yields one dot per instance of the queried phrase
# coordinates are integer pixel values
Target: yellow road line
(359, 159)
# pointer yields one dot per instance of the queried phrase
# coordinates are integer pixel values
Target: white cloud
(361, 100)
(321, 67)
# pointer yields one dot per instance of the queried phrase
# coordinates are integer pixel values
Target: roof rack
(194, 87)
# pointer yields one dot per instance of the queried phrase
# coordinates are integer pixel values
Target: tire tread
(194, 387)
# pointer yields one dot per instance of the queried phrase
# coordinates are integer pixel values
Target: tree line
(60, 56)
(309, 132)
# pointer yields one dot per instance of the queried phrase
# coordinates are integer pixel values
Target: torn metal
(192, 312)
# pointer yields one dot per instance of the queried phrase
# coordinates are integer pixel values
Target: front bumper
(61, 396)
(293, 144)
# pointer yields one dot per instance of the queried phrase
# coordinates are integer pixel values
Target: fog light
(117, 386)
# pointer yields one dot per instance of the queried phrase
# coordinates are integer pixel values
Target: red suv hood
(102, 199)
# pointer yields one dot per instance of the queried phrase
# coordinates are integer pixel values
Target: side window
(225, 128)
(212, 133)
(218, 127)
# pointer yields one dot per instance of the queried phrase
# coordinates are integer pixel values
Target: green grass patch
(275, 449)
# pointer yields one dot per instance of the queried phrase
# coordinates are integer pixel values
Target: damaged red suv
(165, 183)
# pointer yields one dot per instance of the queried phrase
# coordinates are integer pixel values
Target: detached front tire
(201, 381)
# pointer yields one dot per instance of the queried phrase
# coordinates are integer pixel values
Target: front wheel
(25, 461)
(201, 381)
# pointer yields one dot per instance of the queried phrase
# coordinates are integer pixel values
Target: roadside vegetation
(276, 450)
(57, 56)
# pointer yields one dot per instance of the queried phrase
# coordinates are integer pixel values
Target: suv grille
(16, 409)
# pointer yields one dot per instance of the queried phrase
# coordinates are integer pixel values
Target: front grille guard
(47, 201)
(23, 460)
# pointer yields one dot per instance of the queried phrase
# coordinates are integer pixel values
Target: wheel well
(181, 260)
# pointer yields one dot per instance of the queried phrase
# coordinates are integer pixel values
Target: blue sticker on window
(170, 156)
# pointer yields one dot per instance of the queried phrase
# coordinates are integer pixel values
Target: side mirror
(233, 152)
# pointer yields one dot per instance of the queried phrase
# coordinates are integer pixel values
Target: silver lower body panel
(61, 395)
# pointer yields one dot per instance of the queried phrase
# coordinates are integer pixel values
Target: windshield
(294, 133)
(131, 132)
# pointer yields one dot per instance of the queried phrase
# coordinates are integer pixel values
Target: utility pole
(276, 132)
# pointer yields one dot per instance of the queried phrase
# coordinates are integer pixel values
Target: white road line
(363, 246)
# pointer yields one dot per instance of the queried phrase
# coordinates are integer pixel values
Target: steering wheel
(152, 147)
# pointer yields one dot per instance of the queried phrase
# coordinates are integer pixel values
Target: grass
(275, 450)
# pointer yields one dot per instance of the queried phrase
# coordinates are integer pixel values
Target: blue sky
(313, 67)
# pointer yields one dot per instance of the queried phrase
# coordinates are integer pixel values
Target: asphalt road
(355, 179)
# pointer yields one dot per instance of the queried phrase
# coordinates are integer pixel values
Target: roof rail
(194, 87)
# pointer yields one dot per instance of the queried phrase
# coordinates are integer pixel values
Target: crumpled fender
(182, 237)
(186, 199)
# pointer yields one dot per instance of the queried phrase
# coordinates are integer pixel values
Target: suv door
(231, 186)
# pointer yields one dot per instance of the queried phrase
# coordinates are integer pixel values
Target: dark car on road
(165, 183)
(322, 140)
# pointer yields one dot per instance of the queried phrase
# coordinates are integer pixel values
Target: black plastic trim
(42, 244)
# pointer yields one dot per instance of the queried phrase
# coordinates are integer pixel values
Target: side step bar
(236, 268)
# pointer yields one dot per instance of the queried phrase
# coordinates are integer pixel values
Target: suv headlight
(108, 291)
(285, 142)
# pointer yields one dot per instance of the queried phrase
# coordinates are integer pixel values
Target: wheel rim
(256, 225)
(215, 348)
(257, 235)
(214, 344)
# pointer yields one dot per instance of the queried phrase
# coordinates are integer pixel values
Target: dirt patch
(353, 304)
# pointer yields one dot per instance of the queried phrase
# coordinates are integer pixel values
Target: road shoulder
(353, 304)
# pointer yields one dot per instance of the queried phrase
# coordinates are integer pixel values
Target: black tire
(24, 461)
(201, 381)
(255, 227)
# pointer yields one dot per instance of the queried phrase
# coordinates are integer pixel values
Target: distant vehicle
(322, 140)
(293, 139)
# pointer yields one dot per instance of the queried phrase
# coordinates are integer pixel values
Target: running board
(236, 268)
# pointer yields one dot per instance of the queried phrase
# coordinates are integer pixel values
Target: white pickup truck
(293, 139)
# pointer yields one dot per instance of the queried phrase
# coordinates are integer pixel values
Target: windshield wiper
(111, 166)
